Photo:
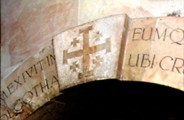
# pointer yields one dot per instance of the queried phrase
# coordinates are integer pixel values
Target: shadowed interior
(114, 100)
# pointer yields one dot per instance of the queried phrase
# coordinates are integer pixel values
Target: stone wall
(27, 26)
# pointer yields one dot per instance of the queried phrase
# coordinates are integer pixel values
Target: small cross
(74, 42)
(74, 66)
(97, 36)
(97, 61)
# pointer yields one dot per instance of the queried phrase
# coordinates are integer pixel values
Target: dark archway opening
(114, 100)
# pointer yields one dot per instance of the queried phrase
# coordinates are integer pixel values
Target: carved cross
(86, 51)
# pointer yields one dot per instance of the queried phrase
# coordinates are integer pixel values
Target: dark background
(115, 100)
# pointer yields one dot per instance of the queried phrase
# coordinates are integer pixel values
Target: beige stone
(90, 51)
(155, 51)
(28, 27)
(144, 49)
(150, 50)
(30, 86)
(133, 8)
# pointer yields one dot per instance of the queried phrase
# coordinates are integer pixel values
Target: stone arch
(95, 51)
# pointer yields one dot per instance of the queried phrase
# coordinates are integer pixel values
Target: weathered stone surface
(146, 49)
(134, 9)
(155, 51)
(30, 86)
(27, 27)
(90, 51)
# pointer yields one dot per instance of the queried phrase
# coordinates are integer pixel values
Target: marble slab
(118, 47)
(155, 51)
(31, 85)
(90, 51)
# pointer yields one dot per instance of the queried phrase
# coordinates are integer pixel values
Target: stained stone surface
(151, 50)
(91, 51)
(133, 8)
(155, 51)
(30, 86)
(144, 49)
(27, 27)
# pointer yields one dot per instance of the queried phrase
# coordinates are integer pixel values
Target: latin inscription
(172, 63)
(25, 76)
(43, 86)
(150, 61)
(174, 36)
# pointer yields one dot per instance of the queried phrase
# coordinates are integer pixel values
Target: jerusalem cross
(85, 52)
